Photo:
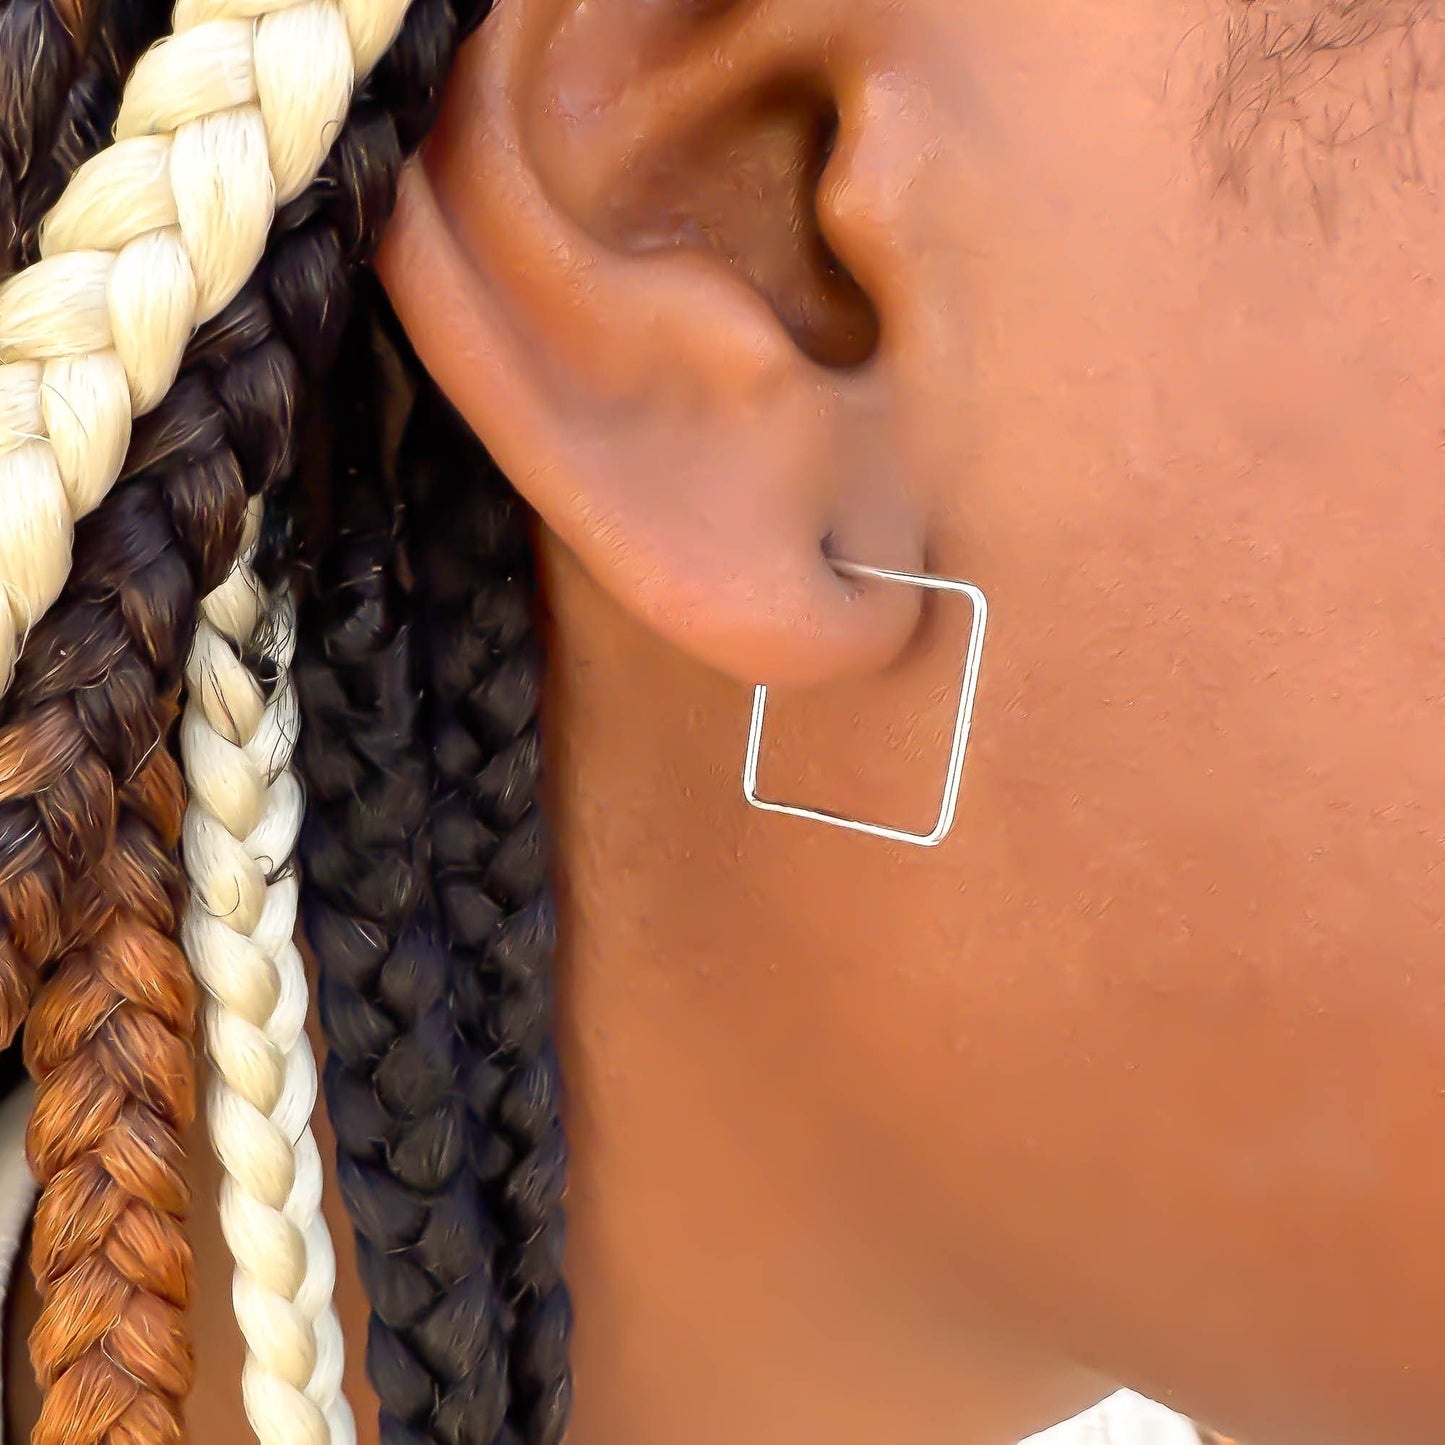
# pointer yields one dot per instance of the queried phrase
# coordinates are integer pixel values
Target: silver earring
(954, 775)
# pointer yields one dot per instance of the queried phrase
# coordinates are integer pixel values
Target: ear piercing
(954, 774)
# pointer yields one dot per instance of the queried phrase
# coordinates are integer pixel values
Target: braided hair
(85, 723)
(483, 668)
(91, 889)
(396, 1074)
(430, 915)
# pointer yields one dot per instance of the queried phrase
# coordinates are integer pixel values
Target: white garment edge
(1125, 1418)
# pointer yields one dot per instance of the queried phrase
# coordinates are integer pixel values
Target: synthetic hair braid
(237, 737)
(89, 796)
(229, 116)
(397, 1069)
(482, 668)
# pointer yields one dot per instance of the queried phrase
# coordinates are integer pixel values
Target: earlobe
(652, 399)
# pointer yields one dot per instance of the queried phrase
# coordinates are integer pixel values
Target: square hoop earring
(954, 775)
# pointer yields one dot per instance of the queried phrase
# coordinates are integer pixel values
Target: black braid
(468, 536)
(489, 854)
(395, 1074)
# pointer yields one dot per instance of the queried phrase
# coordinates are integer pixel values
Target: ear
(622, 256)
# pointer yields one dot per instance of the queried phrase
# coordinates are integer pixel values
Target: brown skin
(1141, 1075)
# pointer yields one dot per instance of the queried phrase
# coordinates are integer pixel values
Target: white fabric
(1123, 1419)
(240, 831)
(221, 122)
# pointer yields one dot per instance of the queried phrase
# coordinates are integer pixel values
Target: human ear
(627, 255)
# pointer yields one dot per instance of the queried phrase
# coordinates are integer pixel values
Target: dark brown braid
(62, 64)
(42, 47)
(122, 30)
(91, 799)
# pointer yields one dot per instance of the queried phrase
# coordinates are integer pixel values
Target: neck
(734, 1278)
(725, 1288)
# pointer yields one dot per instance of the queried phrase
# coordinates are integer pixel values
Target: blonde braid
(239, 835)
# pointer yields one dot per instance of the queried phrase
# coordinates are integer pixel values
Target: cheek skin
(1147, 1055)
(1187, 942)
(1201, 478)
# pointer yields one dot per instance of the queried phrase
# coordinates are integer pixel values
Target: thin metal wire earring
(952, 778)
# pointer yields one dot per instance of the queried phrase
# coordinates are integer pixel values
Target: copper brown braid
(109, 1043)
(109, 1039)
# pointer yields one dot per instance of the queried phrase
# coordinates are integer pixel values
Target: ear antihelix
(740, 182)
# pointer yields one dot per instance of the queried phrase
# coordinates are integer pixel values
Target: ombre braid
(125, 1115)
(85, 114)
